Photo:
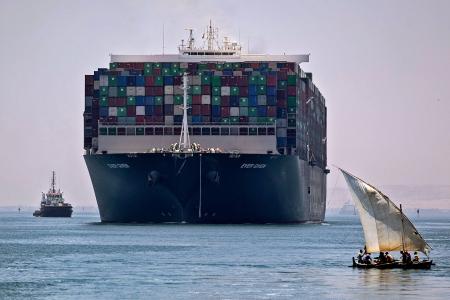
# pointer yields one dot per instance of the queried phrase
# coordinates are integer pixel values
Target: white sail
(382, 220)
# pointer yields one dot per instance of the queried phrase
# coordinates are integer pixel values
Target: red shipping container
(282, 75)
(206, 90)
(112, 120)
(243, 91)
(88, 79)
(159, 90)
(254, 65)
(196, 99)
(140, 120)
(292, 90)
(211, 66)
(131, 111)
(271, 111)
(177, 80)
(158, 110)
(206, 110)
(112, 102)
(149, 91)
(157, 72)
(88, 90)
(196, 109)
(149, 80)
(148, 119)
(157, 119)
(271, 80)
(121, 101)
(291, 66)
(224, 111)
(138, 66)
(243, 119)
(281, 103)
(233, 81)
(242, 80)
(225, 100)
(225, 80)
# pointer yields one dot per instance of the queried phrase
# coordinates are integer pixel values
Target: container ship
(52, 203)
(208, 135)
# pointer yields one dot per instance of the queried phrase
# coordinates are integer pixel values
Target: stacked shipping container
(220, 93)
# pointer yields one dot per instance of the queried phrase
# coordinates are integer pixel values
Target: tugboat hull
(54, 211)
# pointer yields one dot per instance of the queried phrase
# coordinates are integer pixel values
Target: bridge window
(159, 131)
(196, 131)
(121, 131)
(149, 131)
(131, 131)
(262, 131)
(252, 131)
(224, 131)
(206, 131)
(270, 131)
(215, 131)
(234, 131)
(112, 131)
(243, 131)
(168, 130)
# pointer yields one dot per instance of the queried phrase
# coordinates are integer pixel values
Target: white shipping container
(103, 80)
(206, 99)
(168, 99)
(237, 73)
(196, 80)
(177, 90)
(218, 73)
(225, 91)
(262, 100)
(281, 123)
(140, 110)
(177, 110)
(168, 90)
(96, 85)
(234, 111)
(112, 111)
(140, 91)
(168, 120)
(131, 91)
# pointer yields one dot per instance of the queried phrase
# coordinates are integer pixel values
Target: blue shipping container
(216, 110)
(122, 81)
(131, 80)
(252, 90)
(149, 110)
(262, 111)
(281, 142)
(140, 80)
(140, 100)
(234, 101)
(149, 100)
(271, 100)
(253, 100)
(168, 80)
(196, 119)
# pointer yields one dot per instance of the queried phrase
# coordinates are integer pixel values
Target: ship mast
(53, 182)
(185, 142)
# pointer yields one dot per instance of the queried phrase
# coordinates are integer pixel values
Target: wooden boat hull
(424, 265)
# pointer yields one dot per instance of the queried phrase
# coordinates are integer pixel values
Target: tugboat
(52, 203)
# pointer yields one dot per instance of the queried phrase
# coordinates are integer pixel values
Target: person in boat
(416, 257)
(381, 258)
(406, 257)
(389, 257)
(367, 259)
(359, 256)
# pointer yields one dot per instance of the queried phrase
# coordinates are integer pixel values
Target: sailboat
(385, 226)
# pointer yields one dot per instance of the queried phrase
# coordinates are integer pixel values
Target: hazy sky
(383, 66)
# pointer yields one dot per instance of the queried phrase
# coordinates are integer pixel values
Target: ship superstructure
(255, 122)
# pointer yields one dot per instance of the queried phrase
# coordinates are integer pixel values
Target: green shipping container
(292, 79)
(243, 101)
(252, 112)
(112, 131)
(254, 79)
(219, 67)
(234, 120)
(292, 110)
(112, 80)
(292, 123)
(227, 66)
(202, 66)
(292, 101)
(262, 79)
(216, 100)
(140, 131)
(158, 100)
(236, 66)
(234, 91)
(121, 111)
(104, 91)
(148, 66)
(131, 100)
(216, 91)
(148, 72)
(216, 81)
(261, 90)
(178, 100)
(166, 72)
(157, 65)
(122, 92)
(225, 120)
(282, 84)
(196, 90)
(103, 101)
(243, 111)
(158, 81)
(206, 80)
(189, 99)
(103, 131)
(112, 66)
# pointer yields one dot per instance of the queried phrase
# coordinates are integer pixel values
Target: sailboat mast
(403, 228)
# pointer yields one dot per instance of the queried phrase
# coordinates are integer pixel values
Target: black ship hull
(54, 211)
(207, 188)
